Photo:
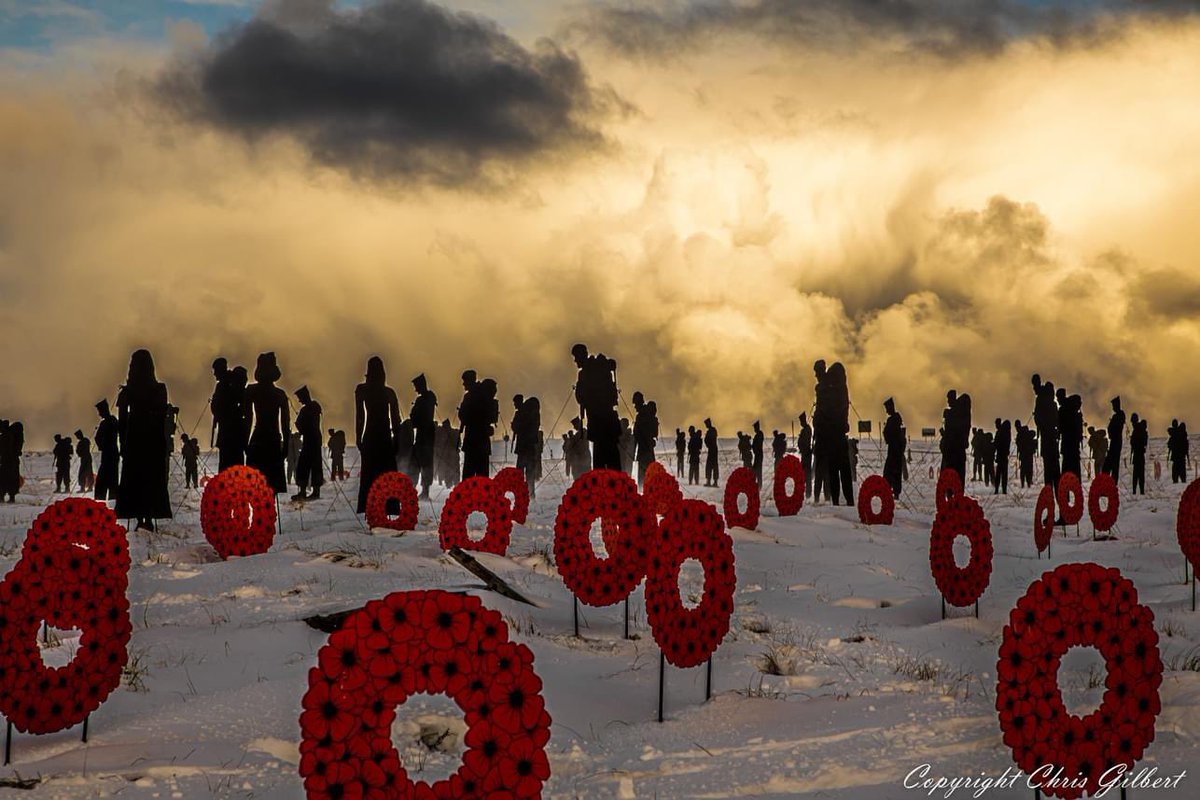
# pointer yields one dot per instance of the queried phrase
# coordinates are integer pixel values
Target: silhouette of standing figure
(142, 411)
(804, 448)
(83, 450)
(62, 463)
(1116, 437)
(1184, 450)
(376, 420)
(820, 450)
(1098, 445)
(309, 471)
(1026, 443)
(711, 473)
(12, 444)
(476, 417)
(893, 437)
(831, 423)
(680, 452)
(756, 451)
(596, 393)
(267, 423)
(528, 441)
(778, 446)
(645, 434)
(1045, 417)
(190, 450)
(337, 454)
(1139, 438)
(424, 423)
(695, 445)
(1002, 446)
(743, 446)
(625, 446)
(1177, 450)
(228, 432)
(1070, 432)
(108, 476)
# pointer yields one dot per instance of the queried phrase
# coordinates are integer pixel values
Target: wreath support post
(575, 608)
(278, 518)
(662, 677)
(708, 682)
(627, 617)
(8, 744)
(85, 727)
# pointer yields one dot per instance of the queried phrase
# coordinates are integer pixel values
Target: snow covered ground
(874, 682)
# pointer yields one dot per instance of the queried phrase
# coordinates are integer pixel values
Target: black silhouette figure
(778, 446)
(293, 455)
(267, 423)
(1070, 432)
(528, 440)
(596, 392)
(309, 471)
(83, 451)
(62, 463)
(743, 446)
(1097, 442)
(1003, 447)
(376, 421)
(695, 445)
(1177, 450)
(987, 447)
(1116, 437)
(142, 411)
(189, 449)
(228, 433)
(477, 414)
(645, 434)
(448, 444)
(337, 454)
(1045, 418)
(576, 453)
(756, 452)
(804, 448)
(894, 439)
(680, 452)
(108, 475)
(170, 426)
(820, 455)
(1139, 438)
(711, 473)
(956, 433)
(424, 425)
(831, 428)
(1026, 443)
(12, 444)
(977, 454)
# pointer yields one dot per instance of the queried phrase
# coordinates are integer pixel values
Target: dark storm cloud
(397, 89)
(942, 27)
(1167, 293)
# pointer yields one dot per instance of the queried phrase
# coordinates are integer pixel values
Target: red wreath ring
(741, 482)
(1187, 523)
(627, 527)
(81, 521)
(1103, 488)
(1069, 487)
(423, 641)
(477, 493)
(660, 489)
(1078, 605)
(392, 486)
(789, 467)
(1043, 518)
(68, 587)
(961, 516)
(949, 485)
(237, 512)
(512, 482)
(689, 636)
(876, 486)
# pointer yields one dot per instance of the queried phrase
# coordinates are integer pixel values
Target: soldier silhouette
(831, 424)
(778, 446)
(142, 411)
(337, 454)
(267, 423)
(1002, 446)
(1045, 417)
(711, 472)
(756, 452)
(695, 445)
(1177, 451)
(108, 475)
(228, 432)
(680, 452)
(804, 448)
(1116, 437)
(743, 446)
(12, 444)
(596, 393)
(423, 416)
(474, 415)
(528, 441)
(1098, 446)
(820, 450)
(309, 470)
(62, 463)
(376, 422)
(645, 434)
(189, 450)
(83, 451)
(1070, 431)
(1026, 443)
(893, 437)
(1139, 439)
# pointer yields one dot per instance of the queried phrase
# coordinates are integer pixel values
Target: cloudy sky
(715, 192)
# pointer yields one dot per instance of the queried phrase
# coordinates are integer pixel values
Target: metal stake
(626, 617)
(8, 745)
(85, 727)
(708, 682)
(662, 670)
(575, 608)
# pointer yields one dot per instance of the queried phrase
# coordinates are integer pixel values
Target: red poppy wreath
(1187, 523)
(512, 482)
(1103, 490)
(788, 469)
(397, 489)
(1078, 605)
(660, 489)
(1070, 498)
(876, 486)
(960, 516)
(477, 493)
(741, 483)
(434, 642)
(949, 485)
(237, 512)
(81, 521)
